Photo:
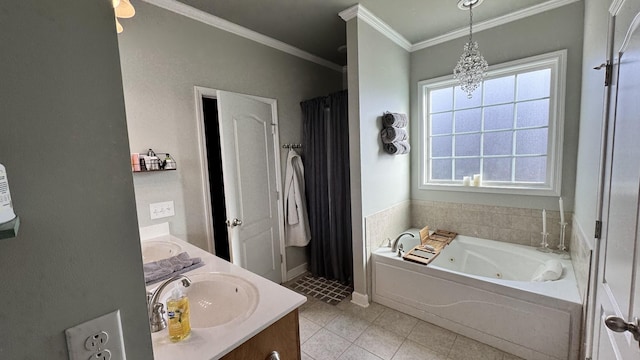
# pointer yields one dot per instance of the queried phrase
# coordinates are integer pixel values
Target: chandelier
(472, 67)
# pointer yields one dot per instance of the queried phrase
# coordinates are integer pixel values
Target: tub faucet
(394, 244)
(156, 309)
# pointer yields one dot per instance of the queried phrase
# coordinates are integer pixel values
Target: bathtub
(483, 289)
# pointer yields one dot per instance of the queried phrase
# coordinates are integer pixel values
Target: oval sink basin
(218, 298)
(158, 250)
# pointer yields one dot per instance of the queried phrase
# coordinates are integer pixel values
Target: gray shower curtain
(326, 140)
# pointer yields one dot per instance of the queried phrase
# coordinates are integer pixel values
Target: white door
(618, 284)
(249, 171)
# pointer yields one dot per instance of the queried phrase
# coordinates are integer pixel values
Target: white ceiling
(315, 27)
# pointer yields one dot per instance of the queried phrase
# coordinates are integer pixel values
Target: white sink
(158, 250)
(219, 298)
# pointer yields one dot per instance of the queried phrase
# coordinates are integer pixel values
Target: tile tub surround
(501, 223)
(349, 332)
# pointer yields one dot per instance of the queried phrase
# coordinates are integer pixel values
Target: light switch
(161, 210)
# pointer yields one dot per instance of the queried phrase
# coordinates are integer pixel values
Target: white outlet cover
(161, 210)
(110, 324)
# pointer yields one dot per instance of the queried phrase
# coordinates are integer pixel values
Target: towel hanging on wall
(296, 226)
(397, 148)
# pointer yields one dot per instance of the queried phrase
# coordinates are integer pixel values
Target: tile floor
(349, 332)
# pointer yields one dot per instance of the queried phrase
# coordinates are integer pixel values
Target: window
(510, 131)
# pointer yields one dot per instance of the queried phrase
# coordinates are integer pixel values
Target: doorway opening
(216, 180)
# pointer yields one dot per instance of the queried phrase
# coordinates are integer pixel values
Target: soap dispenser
(178, 315)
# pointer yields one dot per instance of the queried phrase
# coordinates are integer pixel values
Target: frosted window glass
(466, 167)
(533, 113)
(534, 85)
(529, 142)
(463, 102)
(442, 123)
(468, 120)
(441, 169)
(498, 117)
(498, 143)
(441, 100)
(532, 169)
(500, 90)
(468, 145)
(497, 169)
(441, 146)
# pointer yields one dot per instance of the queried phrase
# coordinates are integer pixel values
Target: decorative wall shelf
(10, 229)
(153, 171)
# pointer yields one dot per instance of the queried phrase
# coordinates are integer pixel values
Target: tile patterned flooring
(349, 332)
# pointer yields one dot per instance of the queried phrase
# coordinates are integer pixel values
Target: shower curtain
(326, 139)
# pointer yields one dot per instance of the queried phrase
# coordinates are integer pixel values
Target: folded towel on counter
(395, 120)
(163, 269)
(549, 271)
(397, 148)
(391, 134)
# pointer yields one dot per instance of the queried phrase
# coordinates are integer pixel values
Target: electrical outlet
(161, 210)
(97, 339)
(101, 355)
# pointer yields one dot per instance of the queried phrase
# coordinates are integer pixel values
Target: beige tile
(465, 349)
(379, 341)
(325, 345)
(348, 326)
(433, 337)
(399, 323)
(354, 352)
(305, 356)
(410, 350)
(369, 313)
(307, 329)
(519, 222)
(320, 313)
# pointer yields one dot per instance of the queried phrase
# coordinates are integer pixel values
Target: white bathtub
(482, 289)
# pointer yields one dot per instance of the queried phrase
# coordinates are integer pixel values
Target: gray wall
(557, 29)
(64, 143)
(378, 82)
(164, 55)
(591, 115)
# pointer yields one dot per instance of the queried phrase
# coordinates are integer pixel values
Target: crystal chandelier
(472, 67)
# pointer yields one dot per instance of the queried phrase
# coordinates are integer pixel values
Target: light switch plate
(100, 335)
(161, 210)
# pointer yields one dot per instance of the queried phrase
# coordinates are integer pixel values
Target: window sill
(533, 191)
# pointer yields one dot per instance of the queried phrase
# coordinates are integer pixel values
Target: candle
(476, 180)
(544, 221)
(561, 211)
(466, 181)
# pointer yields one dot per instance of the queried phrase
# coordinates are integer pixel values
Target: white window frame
(556, 61)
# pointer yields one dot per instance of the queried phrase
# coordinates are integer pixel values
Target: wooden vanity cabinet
(282, 336)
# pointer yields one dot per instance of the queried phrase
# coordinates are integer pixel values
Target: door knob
(617, 324)
(234, 222)
(273, 356)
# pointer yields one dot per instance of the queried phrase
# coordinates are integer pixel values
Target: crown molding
(222, 24)
(367, 16)
(484, 25)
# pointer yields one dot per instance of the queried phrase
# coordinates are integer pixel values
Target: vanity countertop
(275, 301)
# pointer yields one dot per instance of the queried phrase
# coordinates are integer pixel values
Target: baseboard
(360, 299)
(296, 271)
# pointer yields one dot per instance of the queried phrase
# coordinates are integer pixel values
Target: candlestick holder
(544, 245)
(562, 249)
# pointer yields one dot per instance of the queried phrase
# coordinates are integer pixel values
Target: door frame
(201, 92)
(607, 138)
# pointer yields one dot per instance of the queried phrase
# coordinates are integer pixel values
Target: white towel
(296, 226)
(549, 271)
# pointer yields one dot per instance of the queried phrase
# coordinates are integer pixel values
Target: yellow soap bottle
(178, 315)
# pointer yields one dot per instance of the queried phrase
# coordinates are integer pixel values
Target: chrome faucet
(156, 309)
(394, 244)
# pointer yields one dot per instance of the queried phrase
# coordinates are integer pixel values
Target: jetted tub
(482, 289)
